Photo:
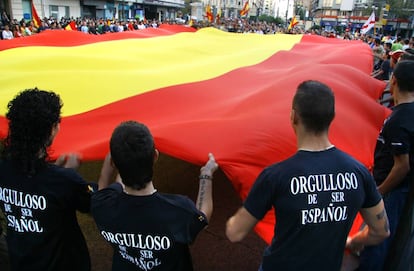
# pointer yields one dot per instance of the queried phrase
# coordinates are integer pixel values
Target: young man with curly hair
(39, 198)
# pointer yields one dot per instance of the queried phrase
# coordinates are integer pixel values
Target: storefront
(328, 25)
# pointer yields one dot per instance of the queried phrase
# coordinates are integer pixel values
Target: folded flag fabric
(198, 91)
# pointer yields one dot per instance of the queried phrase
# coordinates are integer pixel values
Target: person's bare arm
(399, 170)
(107, 173)
(377, 73)
(204, 201)
(376, 230)
(239, 225)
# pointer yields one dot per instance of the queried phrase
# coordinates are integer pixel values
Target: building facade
(352, 14)
(106, 9)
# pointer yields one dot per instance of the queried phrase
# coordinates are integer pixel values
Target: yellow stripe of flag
(96, 74)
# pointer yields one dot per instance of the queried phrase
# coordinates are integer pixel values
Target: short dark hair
(407, 55)
(32, 115)
(404, 74)
(314, 102)
(132, 150)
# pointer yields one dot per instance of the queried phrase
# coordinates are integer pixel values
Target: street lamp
(258, 6)
(286, 16)
(381, 7)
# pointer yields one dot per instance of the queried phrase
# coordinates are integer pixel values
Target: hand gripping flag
(369, 24)
(196, 93)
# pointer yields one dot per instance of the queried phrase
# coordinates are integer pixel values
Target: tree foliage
(270, 19)
(403, 9)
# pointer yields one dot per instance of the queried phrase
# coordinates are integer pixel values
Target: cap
(395, 55)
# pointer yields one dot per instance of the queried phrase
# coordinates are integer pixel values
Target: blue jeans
(372, 257)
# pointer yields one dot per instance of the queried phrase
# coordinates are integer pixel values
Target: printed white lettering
(323, 183)
(140, 241)
(328, 214)
(144, 263)
(23, 224)
(337, 196)
(23, 200)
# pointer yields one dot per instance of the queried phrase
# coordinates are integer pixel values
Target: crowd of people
(16, 29)
(40, 198)
(12, 28)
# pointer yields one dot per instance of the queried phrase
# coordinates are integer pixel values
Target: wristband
(205, 177)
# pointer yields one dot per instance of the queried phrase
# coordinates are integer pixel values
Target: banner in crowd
(369, 24)
(198, 91)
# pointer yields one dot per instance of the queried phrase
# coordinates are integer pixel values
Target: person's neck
(312, 142)
(404, 97)
(148, 190)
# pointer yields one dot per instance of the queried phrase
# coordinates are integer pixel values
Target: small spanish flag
(293, 22)
(36, 19)
(209, 14)
(71, 26)
(245, 9)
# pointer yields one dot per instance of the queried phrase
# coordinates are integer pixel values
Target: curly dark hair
(32, 114)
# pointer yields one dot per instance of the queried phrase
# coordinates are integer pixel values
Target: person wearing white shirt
(6, 33)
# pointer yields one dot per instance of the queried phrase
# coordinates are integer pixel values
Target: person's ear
(156, 155)
(393, 84)
(293, 117)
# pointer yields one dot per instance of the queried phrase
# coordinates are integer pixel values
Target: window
(59, 11)
(327, 3)
(54, 11)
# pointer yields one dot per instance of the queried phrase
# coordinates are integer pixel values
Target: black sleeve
(82, 192)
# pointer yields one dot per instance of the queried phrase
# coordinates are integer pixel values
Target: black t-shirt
(147, 232)
(316, 196)
(396, 138)
(42, 228)
(386, 68)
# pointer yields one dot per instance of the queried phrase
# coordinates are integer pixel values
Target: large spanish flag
(198, 91)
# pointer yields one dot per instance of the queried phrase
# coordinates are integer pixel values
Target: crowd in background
(13, 28)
